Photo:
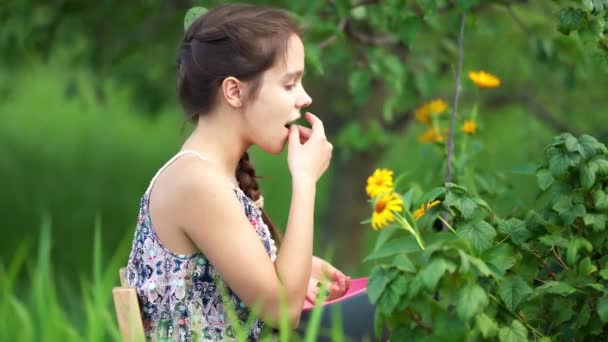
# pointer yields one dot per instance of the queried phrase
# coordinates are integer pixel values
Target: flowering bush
(448, 267)
(540, 275)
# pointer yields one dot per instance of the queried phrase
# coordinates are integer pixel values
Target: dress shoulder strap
(169, 162)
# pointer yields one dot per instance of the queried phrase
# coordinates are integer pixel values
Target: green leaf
(555, 287)
(486, 325)
(358, 13)
(416, 285)
(516, 228)
(472, 299)
(460, 190)
(558, 161)
(573, 248)
(313, 58)
(602, 308)
(406, 244)
(600, 200)
(431, 274)
(514, 333)
(479, 234)
(379, 322)
(388, 108)
(432, 195)
(604, 273)
(587, 176)
(403, 263)
(544, 178)
(597, 221)
(359, 85)
(388, 301)
(563, 204)
(589, 146)
(593, 31)
(378, 280)
(192, 15)
(464, 262)
(600, 5)
(554, 240)
(570, 19)
(481, 266)
(500, 258)
(385, 234)
(399, 285)
(465, 205)
(596, 286)
(513, 290)
(571, 143)
(577, 211)
(586, 267)
(601, 166)
(583, 318)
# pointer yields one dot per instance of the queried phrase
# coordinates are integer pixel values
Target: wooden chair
(127, 311)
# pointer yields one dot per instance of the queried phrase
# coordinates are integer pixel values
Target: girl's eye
(290, 86)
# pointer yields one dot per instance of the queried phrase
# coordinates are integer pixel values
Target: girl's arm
(213, 219)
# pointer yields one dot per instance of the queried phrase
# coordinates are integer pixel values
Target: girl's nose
(304, 100)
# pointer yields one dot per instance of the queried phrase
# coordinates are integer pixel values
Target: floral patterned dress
(182, 297)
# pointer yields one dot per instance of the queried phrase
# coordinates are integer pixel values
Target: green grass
(36, 307)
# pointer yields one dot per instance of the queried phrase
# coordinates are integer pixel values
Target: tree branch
(419, 322)
(329, 40)
(517, 19)
(369, 39)
(544, 114)
(448, 170)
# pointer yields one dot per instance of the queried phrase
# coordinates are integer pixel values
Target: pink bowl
(356, 286)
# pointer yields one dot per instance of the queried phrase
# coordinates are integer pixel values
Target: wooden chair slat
(128, 312)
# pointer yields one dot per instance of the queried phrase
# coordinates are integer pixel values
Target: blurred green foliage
(87, 108)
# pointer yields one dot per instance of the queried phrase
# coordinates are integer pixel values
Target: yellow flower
(431, 136)
(381, 181)
(483, 79)
(469, 127)
(385, 208)
(419, 212)
(434, 107)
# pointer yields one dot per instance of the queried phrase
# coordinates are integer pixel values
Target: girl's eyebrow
(292, 75)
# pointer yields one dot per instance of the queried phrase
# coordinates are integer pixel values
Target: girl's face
(279, 101)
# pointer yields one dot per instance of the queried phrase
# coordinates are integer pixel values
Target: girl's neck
(217, 137)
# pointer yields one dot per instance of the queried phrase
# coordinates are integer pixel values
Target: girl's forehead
(291, 64)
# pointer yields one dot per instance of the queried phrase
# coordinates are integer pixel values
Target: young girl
(201, 225)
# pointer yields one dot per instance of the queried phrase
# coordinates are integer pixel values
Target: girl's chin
(274, 148)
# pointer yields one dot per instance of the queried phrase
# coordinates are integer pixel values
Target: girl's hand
(323, 272)
(309, 151)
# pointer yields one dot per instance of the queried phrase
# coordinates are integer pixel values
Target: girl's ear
(233, 91)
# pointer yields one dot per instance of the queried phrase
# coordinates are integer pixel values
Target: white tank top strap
(169, 162)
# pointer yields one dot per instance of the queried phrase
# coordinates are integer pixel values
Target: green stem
(447, 224)
(534, 330)
(406, 225)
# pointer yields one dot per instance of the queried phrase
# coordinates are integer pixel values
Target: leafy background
(88, 113)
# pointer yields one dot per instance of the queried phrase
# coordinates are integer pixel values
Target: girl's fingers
(316, 123)
(342, 285)
(305, 133)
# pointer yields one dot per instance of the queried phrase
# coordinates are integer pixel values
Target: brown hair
(235, 40)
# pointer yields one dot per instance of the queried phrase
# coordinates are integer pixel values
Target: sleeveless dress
(181, 296)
